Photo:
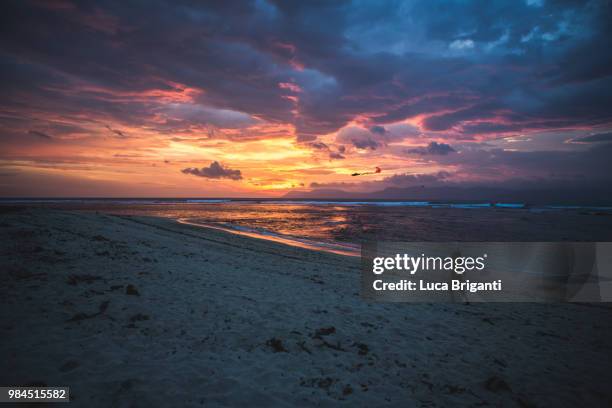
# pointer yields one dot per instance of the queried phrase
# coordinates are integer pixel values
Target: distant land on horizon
(533, 196)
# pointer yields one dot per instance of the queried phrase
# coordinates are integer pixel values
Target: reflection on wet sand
(337, 248)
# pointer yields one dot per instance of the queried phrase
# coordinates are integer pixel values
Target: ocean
(340, 226)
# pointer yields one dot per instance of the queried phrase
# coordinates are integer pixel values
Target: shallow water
(343, 225)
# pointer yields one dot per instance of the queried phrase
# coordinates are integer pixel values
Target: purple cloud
(214, 171)
(433, 148)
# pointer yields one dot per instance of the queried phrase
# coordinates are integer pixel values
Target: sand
(143, 311)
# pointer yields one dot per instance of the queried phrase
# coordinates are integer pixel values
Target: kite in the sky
(378, 170)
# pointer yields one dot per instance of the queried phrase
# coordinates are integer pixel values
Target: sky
(261, 98)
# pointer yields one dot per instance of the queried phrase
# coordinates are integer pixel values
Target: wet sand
(144, 311)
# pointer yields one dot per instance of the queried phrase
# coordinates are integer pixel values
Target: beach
(145, 311)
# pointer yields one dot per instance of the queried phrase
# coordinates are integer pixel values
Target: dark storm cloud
(433, 148)
(481, 68)
(214, 171)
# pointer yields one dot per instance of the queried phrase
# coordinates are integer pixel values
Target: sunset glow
(104, 101)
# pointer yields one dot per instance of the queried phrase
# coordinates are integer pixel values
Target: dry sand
(137, 311)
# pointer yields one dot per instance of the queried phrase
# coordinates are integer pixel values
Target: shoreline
(117, 306)
(335, 248)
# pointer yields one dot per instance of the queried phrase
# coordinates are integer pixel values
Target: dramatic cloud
(214, 171)
(269, 63)
(433, 148)
(281, 88)
(373, 138)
